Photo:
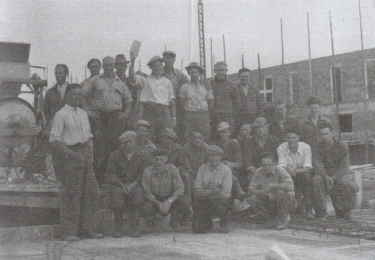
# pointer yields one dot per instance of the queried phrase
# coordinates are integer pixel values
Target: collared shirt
(178, 78)
(226, 97)
(62, 89)
(302, 158)
(166, 184)
(333, 161)
(70, 126)
(157, 91)
(196, 96)
(278, 130)
(261, 180)
(310, 131)
(105, 97)
(208, 178)
(250, 99)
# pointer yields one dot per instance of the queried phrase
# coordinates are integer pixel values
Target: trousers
(159, 118)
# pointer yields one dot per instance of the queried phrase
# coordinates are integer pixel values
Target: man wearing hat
(197, 101)
(260, 143)
(142, 141)
(108, 103)
(124, 176)
(309, 125)
(163, 190)
(227, 100)
(168, 142)
(94, 65)
(212, 190)
(157, 97)
(251, 105)
(296, 158)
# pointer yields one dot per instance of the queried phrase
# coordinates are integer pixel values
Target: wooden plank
(29, 201)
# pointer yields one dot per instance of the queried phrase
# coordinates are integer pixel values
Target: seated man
(168, 142)
(331, 168)
(296, 159)
(212, 190)
(243, 135)
(142, 141)
(163, 189)
(272, 193)
(124, 174)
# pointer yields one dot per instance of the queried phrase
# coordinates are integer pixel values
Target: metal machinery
(21, 124)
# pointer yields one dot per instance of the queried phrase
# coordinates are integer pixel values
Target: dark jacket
(275, 129)
(226, 97)
(250, 103)
(52, 103)
(253, 151)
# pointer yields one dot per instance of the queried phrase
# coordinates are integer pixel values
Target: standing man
(178, 78)
(251, 105)
(272, 191)
(54, 99)
(124, 174)
(309, 126)
(197, 102)
(94, 66)
(157, 97)
(71, 142)
(108, 102)
(227, 100)
(296, 158)
(212, 190)
(281, 122)
(331, 168)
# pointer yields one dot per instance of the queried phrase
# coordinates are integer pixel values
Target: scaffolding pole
(202, 48)
(310, 63)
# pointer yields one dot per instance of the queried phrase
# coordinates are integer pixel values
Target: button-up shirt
(302, 158)
(310, 131)
(70, 126)
(102, 96)
(261, 180)
(177, 77)
(157, 91)
(208, 178)
(165, 184)
(196, 96)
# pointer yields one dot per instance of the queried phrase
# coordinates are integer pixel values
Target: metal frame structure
(202, 47)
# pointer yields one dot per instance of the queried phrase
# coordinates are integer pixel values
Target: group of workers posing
(162, 144)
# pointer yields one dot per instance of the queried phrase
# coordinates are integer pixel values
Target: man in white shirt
(296, 158)
(71, 142)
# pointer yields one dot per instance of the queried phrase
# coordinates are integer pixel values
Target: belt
(78, 145)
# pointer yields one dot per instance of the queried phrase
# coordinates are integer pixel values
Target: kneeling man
(272, 192)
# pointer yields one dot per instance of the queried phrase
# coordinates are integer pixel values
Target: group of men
(162, 144)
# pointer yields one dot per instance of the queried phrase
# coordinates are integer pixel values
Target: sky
(73, 32)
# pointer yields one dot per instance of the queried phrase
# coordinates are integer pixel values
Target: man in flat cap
(197, 102)
(168, 142)
(142, 141)
(94, 65)
(212, 190)
(281, 121)
(309, 125)
(157, 97)
(163, 190)
(251, 105)
(260, 143)
(272, 193)
(124, 176)
(108, 102)
(227, 100)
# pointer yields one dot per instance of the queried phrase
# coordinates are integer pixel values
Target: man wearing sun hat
(157, 97)
(124, 175)
(197, 101)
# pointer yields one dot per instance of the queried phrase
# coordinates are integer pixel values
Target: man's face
(94, 68)
(159, 161)
(74, 98)
(280, 111)
(108, 65)
(167, 141)
(221, 71)
(142, 131)
(224, 134)
(157, 67)
(128, 145)
(169, 61)
(314, 109)
(326, 135)
(214, 159)
(245, 78)
(292, 139)
(196, 139)
(261, 130)
(245, 132)
(194, 74)
(121, 67)
(60, 75)
(267, 165)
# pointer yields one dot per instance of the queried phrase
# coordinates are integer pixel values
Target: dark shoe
(117, 233)
(71, 238)
(95, 235)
